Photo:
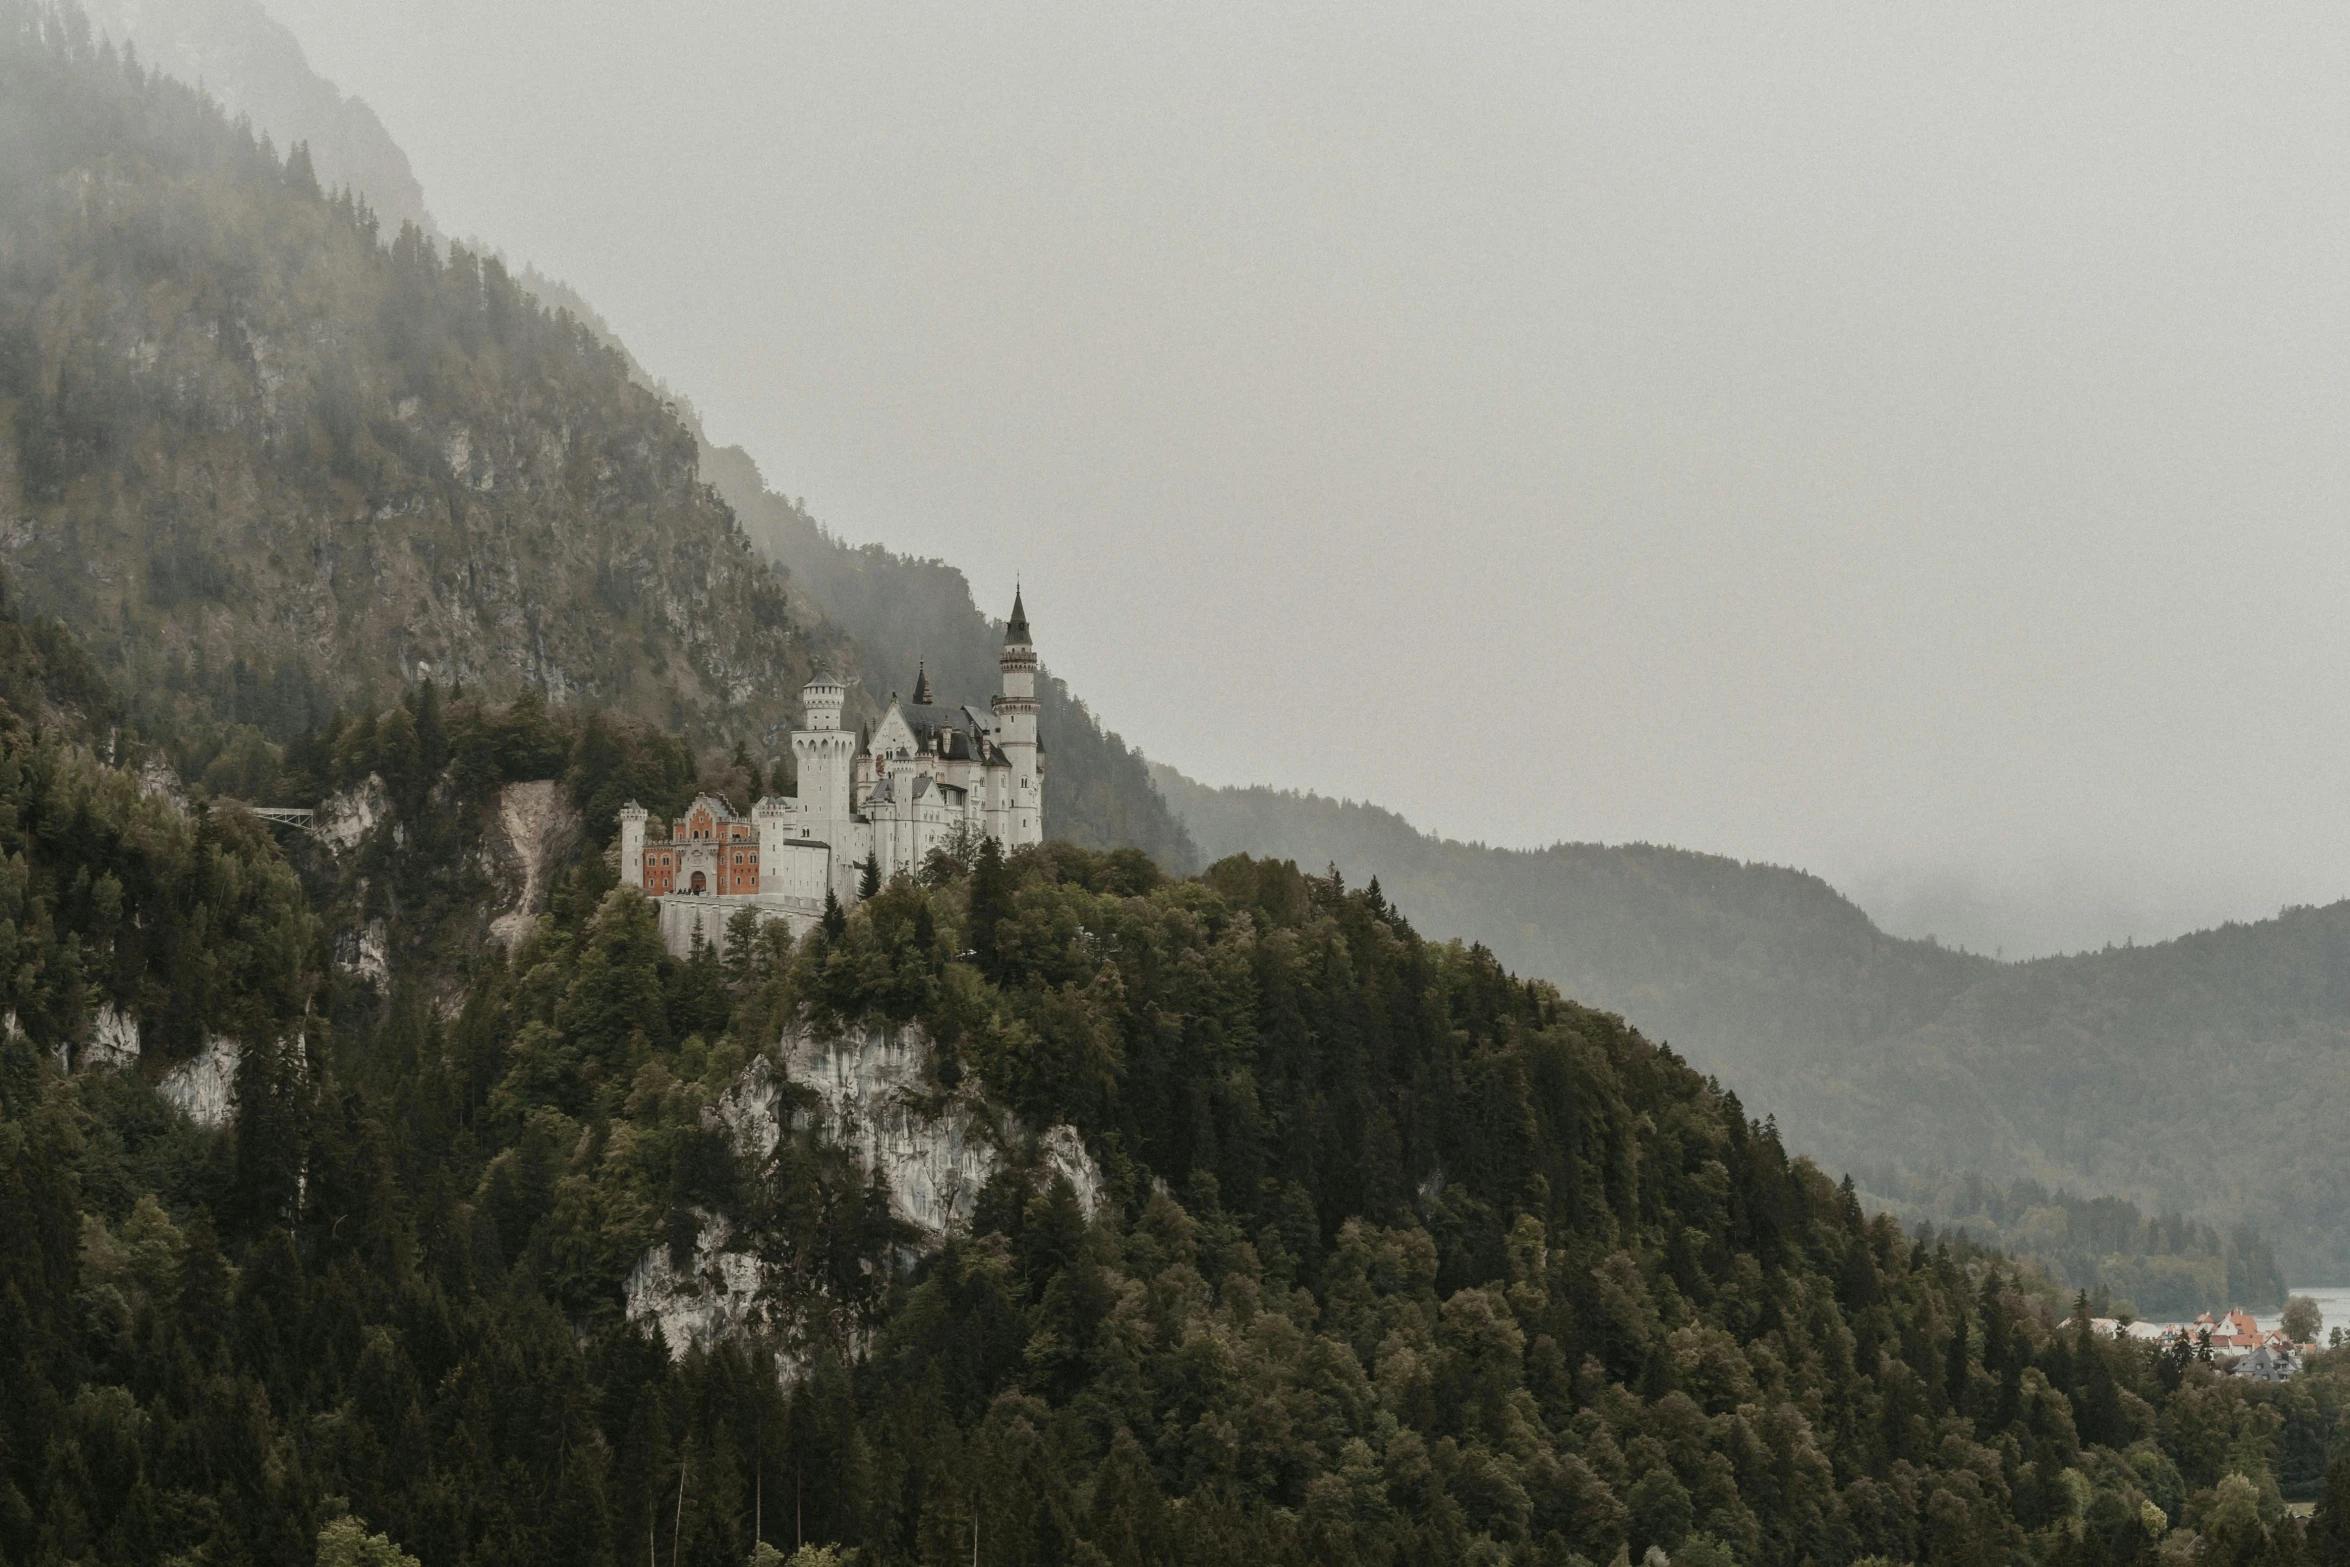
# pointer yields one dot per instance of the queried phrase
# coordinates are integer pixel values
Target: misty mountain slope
(1742, 967)
(253, 64)
(263, 463)
(332, 399)
(2208, 1074)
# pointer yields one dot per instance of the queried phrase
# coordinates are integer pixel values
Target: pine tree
(869, 877)
(432, 737)
(744, 949)
(2328, 1539)
(1955, 1364)
(744, 774)
(991, 904)
(301, 178)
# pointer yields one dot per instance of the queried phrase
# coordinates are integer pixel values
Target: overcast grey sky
(1905, 442)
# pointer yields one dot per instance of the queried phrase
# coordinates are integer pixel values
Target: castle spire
(1018, 795)
(922, 697)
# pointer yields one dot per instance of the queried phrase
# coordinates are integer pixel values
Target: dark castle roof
(1016, 630)
(961, 728)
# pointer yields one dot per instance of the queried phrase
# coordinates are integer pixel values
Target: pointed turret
(1017, 808)
(922, 697)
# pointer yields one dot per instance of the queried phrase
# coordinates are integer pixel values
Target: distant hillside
(2163, 1267)
(2210, 1073)
(1740, 967)
(2205, 1075)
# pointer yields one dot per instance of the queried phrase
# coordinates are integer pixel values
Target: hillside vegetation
(272, 460)
(254, 65)
(267, 463)
(1396, 1258)
(2207, 1073)
(2201, 1075)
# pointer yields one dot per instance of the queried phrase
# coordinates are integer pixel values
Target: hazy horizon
(1899, 445)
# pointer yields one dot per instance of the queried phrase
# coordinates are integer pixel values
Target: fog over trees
(1896, 444)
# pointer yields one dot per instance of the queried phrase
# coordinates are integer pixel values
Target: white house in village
(926, 772)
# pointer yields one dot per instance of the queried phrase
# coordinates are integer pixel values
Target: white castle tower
(1015, 710)
(824, 759)
(632, 844)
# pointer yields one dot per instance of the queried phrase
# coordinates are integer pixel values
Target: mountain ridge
(2195, 1074)
(236, 51)
(1698, 947)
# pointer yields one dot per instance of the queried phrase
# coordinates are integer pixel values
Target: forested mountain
(2207, 1073)
(268, 464)
(1381, 1254)
(1393, 1258)
(264, 463)
(2200, 1075)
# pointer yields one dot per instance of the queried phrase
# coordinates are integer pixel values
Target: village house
(2238, 1345)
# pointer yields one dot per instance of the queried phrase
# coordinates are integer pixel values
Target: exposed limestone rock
(157, 781)
(1065, 1155)
(935, 1151)
(716, 1297)
(873, 1096)
(113, 1043)
(366, 952)
(751, 1110)
(205, 1088)
(534, 826)
(344, 819)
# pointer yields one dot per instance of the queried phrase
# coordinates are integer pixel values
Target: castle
(926, 774)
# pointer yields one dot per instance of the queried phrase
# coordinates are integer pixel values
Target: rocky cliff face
(531, 830)
(204, 1088)
(934, 1151)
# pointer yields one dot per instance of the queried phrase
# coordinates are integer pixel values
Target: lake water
(2332, 1299)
